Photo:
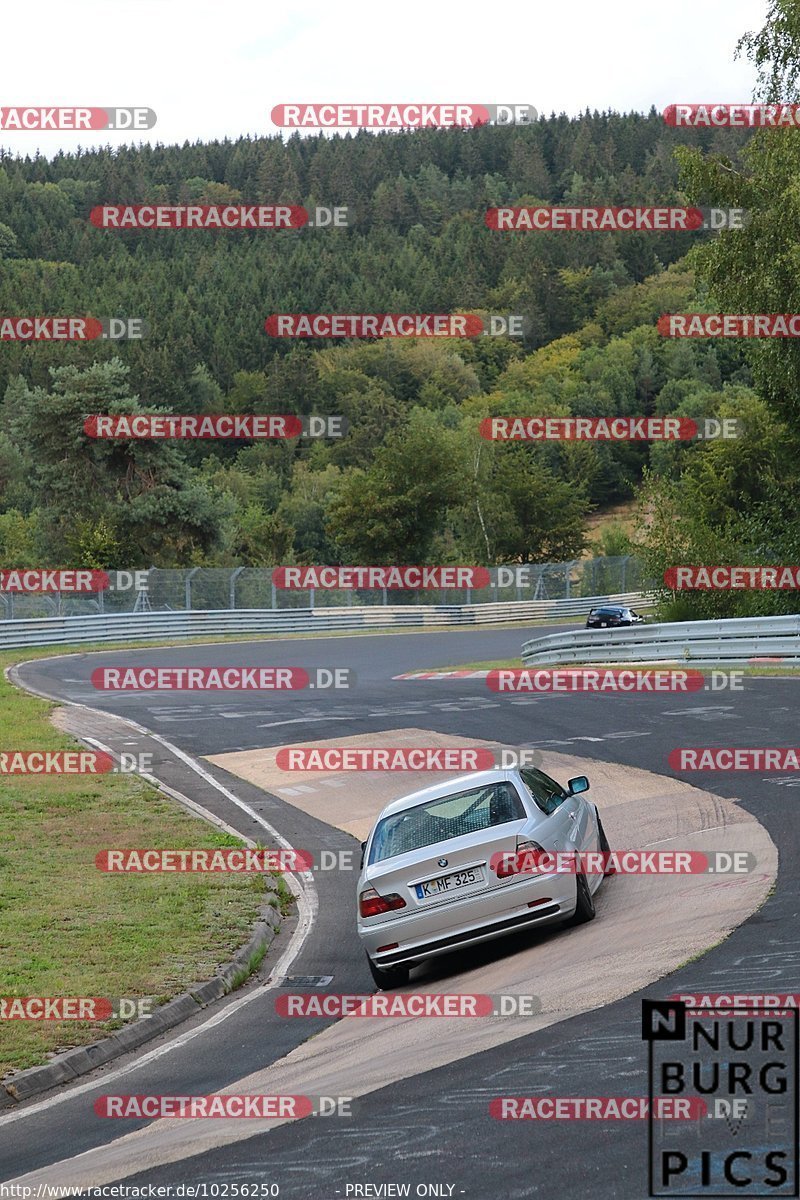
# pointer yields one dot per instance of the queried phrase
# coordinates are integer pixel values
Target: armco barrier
(736, 640)
(123, 627)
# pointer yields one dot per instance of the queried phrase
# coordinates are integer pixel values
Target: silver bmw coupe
(440, 868)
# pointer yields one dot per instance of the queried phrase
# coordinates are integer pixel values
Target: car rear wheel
(604, 846)
(387, 978)
(585, 910)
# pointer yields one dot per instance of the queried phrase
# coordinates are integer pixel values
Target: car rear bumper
(487, 933)
(425, 934)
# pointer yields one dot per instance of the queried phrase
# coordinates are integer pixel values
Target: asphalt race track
(431, 1127)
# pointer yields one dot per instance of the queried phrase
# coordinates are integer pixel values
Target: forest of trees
(413, 480)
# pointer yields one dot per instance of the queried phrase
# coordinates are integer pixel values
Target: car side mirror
(363, 848)
(579, 784)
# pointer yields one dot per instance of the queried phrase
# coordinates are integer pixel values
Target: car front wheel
(387, 978)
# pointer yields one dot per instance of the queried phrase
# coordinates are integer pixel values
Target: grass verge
(67, 929)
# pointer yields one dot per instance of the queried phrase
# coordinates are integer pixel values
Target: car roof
(449, 788)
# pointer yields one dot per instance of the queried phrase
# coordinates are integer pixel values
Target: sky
(216, 69)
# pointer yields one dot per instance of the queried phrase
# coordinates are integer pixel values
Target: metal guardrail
(735, 640)
(121, 627)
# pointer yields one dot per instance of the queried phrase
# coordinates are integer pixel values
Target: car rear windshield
(446, 818)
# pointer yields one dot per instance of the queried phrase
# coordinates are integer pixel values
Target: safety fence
(139, 626)
(247, 588)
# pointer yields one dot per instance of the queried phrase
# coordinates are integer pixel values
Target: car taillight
(509, 864)
(370, 904)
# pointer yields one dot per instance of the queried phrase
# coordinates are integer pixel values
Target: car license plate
(449, 883)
